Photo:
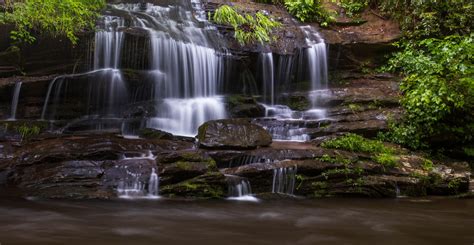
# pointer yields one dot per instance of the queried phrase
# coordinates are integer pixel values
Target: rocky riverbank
(93, 166)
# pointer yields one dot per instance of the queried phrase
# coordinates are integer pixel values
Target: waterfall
(182, 77)
(316, 58)
(268, 81)
(284, 180)
(186, 69)
(184, 116)
(153, 184)
(239, 189)
(108, 43)
(316, 55)
(132, 186)
(16, 97)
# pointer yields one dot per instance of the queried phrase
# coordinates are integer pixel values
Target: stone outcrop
(232, 134)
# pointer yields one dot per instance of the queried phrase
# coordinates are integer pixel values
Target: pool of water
(334, 221)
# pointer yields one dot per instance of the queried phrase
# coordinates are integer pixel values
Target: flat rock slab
(232, 134)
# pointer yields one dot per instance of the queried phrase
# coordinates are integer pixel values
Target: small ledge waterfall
(133, 187)
(268, 86)
(239, 189)
(284, 180)
(16, 97)
(291, 125)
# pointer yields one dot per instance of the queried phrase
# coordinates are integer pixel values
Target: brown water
(334, 221)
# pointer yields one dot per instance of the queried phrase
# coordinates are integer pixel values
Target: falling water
(284, 180)
(185, 70)
(267, 74)
(185, 67)
(239, 189)
(16, 96)
(317, 58)
(153, 184)
(133, 187)
(108, 43)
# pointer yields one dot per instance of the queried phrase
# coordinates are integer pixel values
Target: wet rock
(208, 186)
(232, 134)
(150, 133)
(69, 179)
(241, 107)
(178, 166)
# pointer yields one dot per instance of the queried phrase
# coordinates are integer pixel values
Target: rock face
(101, 165)
(97, 166)
(320, 172)
(232, 134)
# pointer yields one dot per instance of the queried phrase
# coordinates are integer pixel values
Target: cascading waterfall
(186, 70)
(268, 77)
(239, 189)
(153, 183)
(288, 125)
(284, 180)
(132, 186)
(317, 66)
(16, 97)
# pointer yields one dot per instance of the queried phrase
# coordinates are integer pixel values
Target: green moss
(184, 165)
(299, 103)
(454, 184)
(352, 142)
(337, 159)
(386, 159)
(427, 165)
(469, 151)
(357, 143)
(320, 189)
(355, 108)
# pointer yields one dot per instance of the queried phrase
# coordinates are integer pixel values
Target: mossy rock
(150, 133)
(232, 134)
(208, 186)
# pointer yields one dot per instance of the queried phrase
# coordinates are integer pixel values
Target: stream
(334, 221)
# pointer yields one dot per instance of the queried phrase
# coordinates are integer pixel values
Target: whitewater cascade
(239, 188)
(16, 97)
(284, 180)
(291, 125)
(182, 76)
(186, 69)
(132, 186)
(268, 77)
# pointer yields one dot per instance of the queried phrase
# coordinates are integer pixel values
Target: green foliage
(27, 132)
(352, 7)
(386, 159)
(58, 18)
(309, 11)
(454, 184)
(432, 18)
(438, 89)
(338, 159)
(468, 151)
(247, 28)
(357, 143)
(427, 165)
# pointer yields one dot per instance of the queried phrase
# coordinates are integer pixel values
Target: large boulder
(232, 134)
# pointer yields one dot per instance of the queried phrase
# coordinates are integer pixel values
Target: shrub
(438, 90)
(64, 18)
(308, 11)
(357, 143)
(247, 28)
(353, 7)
